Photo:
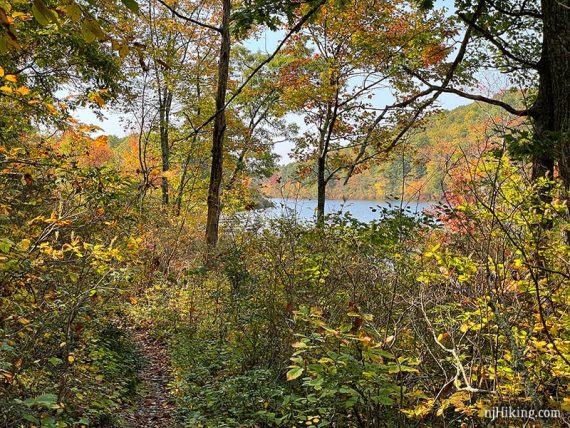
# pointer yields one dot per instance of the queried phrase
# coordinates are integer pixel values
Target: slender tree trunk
(324, 142)
(164, 143)
(214, 207)
(321, 189)
(183, 178)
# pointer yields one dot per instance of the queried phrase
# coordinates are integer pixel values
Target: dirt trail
(155, 409)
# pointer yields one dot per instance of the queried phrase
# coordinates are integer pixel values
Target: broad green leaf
(294, 373)
(132, 5)
(73, 11)
(5, 245)
(94, 28)
(86, 33)
(31, 418)
(42, 13)
(44, 400)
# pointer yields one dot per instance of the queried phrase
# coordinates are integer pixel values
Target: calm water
(304, 209)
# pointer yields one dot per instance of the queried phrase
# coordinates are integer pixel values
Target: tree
(48, 47)
(257, 118)
(529, 42)
(261, 12)
(341, 65)
(166, 57)
(214, 207)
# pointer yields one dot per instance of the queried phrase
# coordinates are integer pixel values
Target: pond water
(362, 210)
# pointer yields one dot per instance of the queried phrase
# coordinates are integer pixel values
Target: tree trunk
(164, 143)
(551, 110)
(553, 113)
(324, 139)
(321, 190)
(214, 207)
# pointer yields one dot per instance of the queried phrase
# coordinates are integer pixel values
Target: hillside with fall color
(420, 168)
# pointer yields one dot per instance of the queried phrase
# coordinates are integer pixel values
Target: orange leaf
(23, 91)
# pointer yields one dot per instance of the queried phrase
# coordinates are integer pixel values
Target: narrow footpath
(155, 408)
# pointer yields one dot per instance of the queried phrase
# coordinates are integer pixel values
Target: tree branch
(189, 19)
(498, 44)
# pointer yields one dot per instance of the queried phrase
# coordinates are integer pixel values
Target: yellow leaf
(70, 358)
(1, 72)
(51, 108)
(24, 245)
(6, 89)
(294, 373)
(73, 11)
(22, 15)
(100, 101)
(23, 91)
(11, 78)
(123, 51)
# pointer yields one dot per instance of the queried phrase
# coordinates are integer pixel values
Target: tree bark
(216, 173)
(321, 189)
(324, 142)
(164, 126)
(551, 112)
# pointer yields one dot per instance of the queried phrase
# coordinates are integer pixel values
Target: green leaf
(294, 373)
(55, 361)
(397, 368)
(94, 28)
(132, 5)
(384, 399)
(86, 33)
(73, 11)
(42, 13)
(30, 418)
(44, 400)
(5, 245)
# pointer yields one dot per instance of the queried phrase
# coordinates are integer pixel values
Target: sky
(114, 123)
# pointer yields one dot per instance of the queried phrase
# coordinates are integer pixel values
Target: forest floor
(155, 407)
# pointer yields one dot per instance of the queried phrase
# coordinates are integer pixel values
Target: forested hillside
(422, 168)
(137, 291)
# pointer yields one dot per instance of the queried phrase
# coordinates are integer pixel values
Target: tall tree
(249, 14)
(214, 208)
(342, 68)
(529, 42)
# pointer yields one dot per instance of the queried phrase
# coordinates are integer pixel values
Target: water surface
(362, 210)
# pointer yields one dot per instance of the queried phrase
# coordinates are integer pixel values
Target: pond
(362, 210)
